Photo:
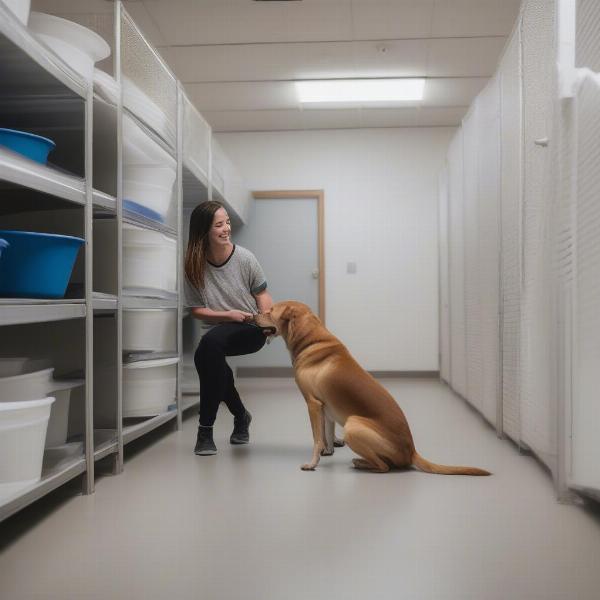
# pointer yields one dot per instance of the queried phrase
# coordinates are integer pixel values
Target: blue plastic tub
(37, 265)
(144, 211)
(30, 145)
(3, 244)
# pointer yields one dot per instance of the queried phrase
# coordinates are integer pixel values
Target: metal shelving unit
(98, 194)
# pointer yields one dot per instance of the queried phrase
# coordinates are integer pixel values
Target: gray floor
(249, 524)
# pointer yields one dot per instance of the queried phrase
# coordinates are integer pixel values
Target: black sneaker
(205, 445)
(240, 434)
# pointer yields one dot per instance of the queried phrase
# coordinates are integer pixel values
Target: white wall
(381, 213)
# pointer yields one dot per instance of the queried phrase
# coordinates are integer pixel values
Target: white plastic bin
(149, 329)
(23, 428)
(25, 379)
(149, 260)
(149, 387)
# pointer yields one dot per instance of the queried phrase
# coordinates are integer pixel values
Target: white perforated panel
(470, 127)
(586, 364)
(538, 408)
(511, 173)
(489, 251)
(458, 366)
(196, 140)
(149, 89)
(444, 280)
(587, 36)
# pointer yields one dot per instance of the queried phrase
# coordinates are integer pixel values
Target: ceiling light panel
(360, 90)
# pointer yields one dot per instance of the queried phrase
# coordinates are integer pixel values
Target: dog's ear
(287, 313)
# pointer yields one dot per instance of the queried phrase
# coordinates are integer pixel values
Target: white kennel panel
(538, 364)
(472, 264)
(510, 191)
(585, 459)
(458, 366)
(489, 246)
(587, 38)
(444, 277)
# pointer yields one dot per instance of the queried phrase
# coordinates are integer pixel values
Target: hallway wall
(381, 212)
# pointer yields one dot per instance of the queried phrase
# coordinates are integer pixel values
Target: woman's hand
(239, 316)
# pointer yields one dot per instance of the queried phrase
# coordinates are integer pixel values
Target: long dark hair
(201, 221)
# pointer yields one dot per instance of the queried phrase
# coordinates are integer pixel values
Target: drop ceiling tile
(257, 120)
(244, 21)
(242, 96)
(253, 62)
(391, 19)
(452, 92)
(331, 119)
(394, 58)
(474, 17)
(390, 117)
(464, 56)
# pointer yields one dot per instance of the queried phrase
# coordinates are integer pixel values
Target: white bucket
(149, 329)
(149, 185)
(149, 387)
(20, 8)
(149, 259)
(22, 435)
(28, 385)
(25, 379)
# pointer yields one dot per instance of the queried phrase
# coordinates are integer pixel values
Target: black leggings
(216, 377)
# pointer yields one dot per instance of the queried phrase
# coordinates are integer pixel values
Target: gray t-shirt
(230, 286)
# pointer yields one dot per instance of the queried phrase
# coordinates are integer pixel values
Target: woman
(225, 286)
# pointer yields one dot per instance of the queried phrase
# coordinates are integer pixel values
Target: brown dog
(334, 385)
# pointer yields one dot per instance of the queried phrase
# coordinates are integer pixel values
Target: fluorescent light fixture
(360, 90)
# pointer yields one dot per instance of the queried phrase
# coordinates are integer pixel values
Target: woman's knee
(208, 348)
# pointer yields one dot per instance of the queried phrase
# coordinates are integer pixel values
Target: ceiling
(238, 58)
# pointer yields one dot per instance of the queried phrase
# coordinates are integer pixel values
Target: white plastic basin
(149, 387)
(149, 259)
(77, 45)
(106, 86)
(140, 149)
(29, 385)
(150, 186)
(22, 435)
(20, 8)
(149, 329)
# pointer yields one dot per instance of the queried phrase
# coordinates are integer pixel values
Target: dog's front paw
(338, 442)
(327, 451)
(308, 467)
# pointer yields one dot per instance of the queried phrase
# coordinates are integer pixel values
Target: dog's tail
(429, 467)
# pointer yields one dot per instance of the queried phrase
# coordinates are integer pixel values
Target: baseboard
(289, 372)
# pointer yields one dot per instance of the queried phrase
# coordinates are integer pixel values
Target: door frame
(319, 196)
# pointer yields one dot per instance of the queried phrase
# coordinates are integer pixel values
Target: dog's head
(288, 316)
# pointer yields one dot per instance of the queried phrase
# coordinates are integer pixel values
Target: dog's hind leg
(369, 444)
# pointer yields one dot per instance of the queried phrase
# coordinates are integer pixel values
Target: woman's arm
(264, 302)
(216, 316)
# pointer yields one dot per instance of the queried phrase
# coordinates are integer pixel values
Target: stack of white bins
(149, 386)
(34, 414)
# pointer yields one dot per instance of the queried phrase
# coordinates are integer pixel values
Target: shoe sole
(238, 443)
(205, 453)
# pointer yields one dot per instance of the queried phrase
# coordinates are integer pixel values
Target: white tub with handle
(149, 387)
(23, 428)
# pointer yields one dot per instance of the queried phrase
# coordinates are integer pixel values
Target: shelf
(28, 65)
(139, 221)
(132, 432)
(15, 311)
(30, 174)
(190, 401)
(105, 443)
(52, 477)
(133, 302)
(107, 302)
(106, 201)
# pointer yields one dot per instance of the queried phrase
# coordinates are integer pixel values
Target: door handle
(315, 273)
